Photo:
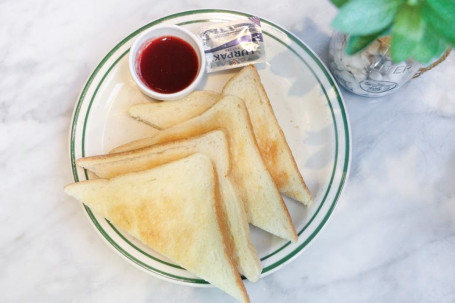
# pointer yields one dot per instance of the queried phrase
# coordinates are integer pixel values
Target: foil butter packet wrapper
(233, 44)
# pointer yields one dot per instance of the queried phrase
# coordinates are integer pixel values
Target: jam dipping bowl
(167, 62)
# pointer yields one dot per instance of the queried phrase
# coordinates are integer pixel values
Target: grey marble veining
(391, 238)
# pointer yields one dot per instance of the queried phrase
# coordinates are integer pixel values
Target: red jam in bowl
(167, 64)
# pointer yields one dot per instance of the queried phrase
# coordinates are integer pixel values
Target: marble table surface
(391, 238)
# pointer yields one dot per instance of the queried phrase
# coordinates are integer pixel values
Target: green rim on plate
(344, 125)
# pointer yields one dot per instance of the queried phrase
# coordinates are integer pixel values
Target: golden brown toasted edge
(227, 240)
(145, 121)
(253, 69)
(119, 156)
(294, 163)
(283, 205)
(162, 104)
(68, 187)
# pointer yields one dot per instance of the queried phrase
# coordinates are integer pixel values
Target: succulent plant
(420, 29)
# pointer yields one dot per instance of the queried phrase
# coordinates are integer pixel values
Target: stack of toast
(218, 162)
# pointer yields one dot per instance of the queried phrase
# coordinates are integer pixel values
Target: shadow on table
(315, 38)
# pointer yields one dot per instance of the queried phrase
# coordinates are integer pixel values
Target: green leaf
(445, 8)
(429, 48)
(407, 32)
(440, 16)
(357, 43)
(365, 17)
(339, 3)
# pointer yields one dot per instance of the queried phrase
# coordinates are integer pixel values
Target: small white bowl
(160, 31)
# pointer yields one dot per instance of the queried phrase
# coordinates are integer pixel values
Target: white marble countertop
(391, 238)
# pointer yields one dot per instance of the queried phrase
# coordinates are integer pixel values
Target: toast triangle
(275, 151)
(214, 145)
(176, 214)
(161, 115)
(264, 204)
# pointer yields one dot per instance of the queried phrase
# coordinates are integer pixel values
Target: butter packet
(233, 44)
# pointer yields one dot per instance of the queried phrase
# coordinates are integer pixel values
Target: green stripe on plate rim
(294, 39)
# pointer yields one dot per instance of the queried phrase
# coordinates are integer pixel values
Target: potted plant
(381, 44)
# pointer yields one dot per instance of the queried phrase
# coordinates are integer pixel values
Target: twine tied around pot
(434, 64)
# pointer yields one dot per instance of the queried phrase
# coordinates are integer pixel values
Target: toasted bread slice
(215, 146)
(270, 138)
(264, 204)
(174, 209)
(161, 115)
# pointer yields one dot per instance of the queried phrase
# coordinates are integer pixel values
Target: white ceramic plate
(306, 101)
